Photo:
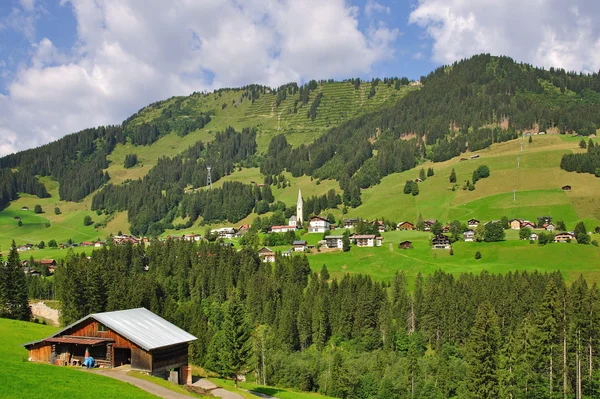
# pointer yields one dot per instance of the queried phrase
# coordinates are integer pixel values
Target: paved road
(216, 391)
(142, 384)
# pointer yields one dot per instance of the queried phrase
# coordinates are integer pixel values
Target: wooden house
(405, 245)
(428, 224)
(334, 242)
(564, 237)
(266, 255)
(469, 236)
(299, 245)
(406, 226)
(135, 336)
(515, 224)
(566, 188)
(473, 223)
(440, 242)
(350, 223)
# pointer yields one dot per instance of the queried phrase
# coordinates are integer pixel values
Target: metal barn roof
(140, 326)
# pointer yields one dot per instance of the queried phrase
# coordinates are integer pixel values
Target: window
(102, 328)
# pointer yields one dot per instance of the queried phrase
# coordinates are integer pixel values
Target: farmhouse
(224, 232)
(550, 227)
(282, 229)
(24, 208)
(406, 226)
(367, 240)
(134, 336)
(350, 223)
(440, 242)
(86, 244)
(243, 229)
(299, 245)
(515, 224)
(469, 236)
(334, 242)
(405, 245)
(428, 224)
(533, 237)
(527, 223)
(473, 223)
(192, 237)
(26, 247)
(564, 237)
(318, 225)
(266, 255)
(566, 188)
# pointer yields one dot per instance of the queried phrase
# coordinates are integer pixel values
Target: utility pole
(518, 162)
(514, 194)
(208, 178)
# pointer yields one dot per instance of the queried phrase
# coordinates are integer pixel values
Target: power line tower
(208, 178)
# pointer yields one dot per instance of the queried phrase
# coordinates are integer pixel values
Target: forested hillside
(353, 132)
(490, 336)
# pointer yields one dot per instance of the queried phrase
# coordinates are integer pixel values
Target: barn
(135, 336)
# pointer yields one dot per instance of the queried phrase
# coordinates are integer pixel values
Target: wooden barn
(135, 336)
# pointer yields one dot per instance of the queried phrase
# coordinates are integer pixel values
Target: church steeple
(299, 209)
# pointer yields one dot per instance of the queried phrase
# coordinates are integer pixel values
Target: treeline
(13, 183)
(587, 162)
(154, 201)
(487, 336)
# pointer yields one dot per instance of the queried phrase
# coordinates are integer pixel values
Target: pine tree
(482, 354)
(453, 176)
(236, 352)
(549, 318)
(13, 288)
(422, 174)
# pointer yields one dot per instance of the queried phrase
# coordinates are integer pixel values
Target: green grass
(275, 392)
(383, 262)
(165, 384)
(22, 379)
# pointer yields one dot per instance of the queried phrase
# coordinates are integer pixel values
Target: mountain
(345, 136)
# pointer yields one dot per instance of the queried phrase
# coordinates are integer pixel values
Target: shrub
(477, 255)
(57, 211)
(38, 209)
(87, 221)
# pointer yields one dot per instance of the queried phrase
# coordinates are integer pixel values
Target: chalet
(549, 227)
(405, 245)
(123, 239)
(428, 224)
(25, 247)
(406, 226)
(417, 180)
(566, 188)
(243, 229)
(367, 240)
(381, 227)
(24, 208)
(515, 224)
(318, 225)
(350, 223)
(99, 244)
(86, 244)
(282, 229)
(266, 255)
(135, 336)
(473, 223)
(50, 264)
(17, 218)
(334, 242)
(533, 237)
(446, 229)
(192, 237)
(475, 156)
(469, 236)
(299, 245)
(527, 223)
(564, 237)
(440, 242)
(224, 232)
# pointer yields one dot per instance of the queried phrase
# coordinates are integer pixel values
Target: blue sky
(70, 64)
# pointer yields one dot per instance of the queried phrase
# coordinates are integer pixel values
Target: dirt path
(40, 309)
(147, 386)
(216, 391)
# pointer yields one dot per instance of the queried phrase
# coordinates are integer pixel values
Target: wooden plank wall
(40, 352)
(170, 357)
(89, 328)
(141, 360)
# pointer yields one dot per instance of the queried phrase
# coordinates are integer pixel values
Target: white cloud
(373, 7)
(542, 32)
(28, 5)
(133, 52)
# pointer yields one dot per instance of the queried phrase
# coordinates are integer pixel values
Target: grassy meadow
(22, 379)
(280, 393)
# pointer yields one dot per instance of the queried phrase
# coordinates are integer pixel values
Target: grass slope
(271, 391)
(22, 379)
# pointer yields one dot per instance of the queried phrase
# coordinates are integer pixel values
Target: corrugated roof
(140, 326)
(144, 328)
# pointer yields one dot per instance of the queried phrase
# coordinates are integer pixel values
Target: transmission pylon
(208, 178)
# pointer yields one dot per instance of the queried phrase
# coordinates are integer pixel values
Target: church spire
(299, 209)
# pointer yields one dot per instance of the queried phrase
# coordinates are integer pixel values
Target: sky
(66, 65)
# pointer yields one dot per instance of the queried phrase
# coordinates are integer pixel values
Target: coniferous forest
(519, 335)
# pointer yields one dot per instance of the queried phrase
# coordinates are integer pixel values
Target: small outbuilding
(566, 188)
(405, 245)
(135, 336)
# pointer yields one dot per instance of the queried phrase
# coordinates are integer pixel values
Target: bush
(583, 238)
(20, 223)
(38, 209)
(42, 245)
(57, 211)
(52, 243)
(594, 243)
(477, 255)
(87, 221)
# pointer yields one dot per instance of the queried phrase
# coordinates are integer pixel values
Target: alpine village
(383, 238)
